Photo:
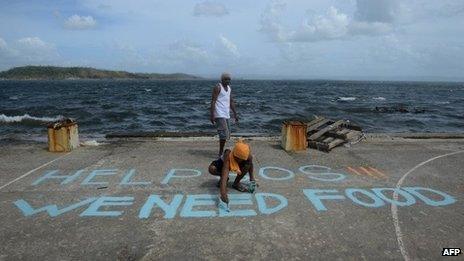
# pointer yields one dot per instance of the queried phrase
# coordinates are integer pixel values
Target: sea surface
(133, 106)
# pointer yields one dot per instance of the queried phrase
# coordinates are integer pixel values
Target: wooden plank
(351, 126)
(325, 146)
(318, 145)
(328, 139)
(316, 120)
(326, 129)
(345, 134)
(312, 144)
(335, 134)
(319, 124)
(335, 143)
(349, 135)
(352, 135)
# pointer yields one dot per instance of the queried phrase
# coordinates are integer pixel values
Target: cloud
(383, 11)
(270, 21)
(56, 14)
(28, 50)
(451, 8)
(332, 25)
(195, 57)
(3, 44)
(187, 52)
(208, 8)
(229, 47)
(6, 53)
(33, 49)
(365, 28)
(392, 49)
(128, 56)
(33, 43)
(104, 7)
(419, 10)
(76, 22)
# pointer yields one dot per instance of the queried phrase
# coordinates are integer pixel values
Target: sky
(275, 39)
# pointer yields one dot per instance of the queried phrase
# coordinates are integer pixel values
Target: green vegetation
(63, 73)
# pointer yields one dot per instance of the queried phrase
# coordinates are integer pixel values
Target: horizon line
(209, 76)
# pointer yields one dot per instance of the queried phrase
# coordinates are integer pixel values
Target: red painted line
(378, 172)
(368, 172)
(354, 171)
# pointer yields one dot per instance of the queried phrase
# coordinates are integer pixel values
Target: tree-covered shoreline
(72, 73)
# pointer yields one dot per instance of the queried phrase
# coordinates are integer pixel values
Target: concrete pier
(146, 198)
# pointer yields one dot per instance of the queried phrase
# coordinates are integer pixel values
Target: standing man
(221, 104)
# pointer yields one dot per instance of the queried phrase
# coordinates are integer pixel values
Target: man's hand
(236, 118)
(224, 198)
(211, 118)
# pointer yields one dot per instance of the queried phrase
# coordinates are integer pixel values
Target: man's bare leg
(221, 147)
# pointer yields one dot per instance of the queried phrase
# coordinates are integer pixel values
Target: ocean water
(114, 106)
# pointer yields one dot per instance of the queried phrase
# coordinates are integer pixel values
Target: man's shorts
(219, 163)
(223, 128)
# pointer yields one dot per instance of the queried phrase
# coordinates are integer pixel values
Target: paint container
(294, 136)
(252, 186)
(63, 136)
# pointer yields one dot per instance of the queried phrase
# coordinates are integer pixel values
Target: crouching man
(240, 161)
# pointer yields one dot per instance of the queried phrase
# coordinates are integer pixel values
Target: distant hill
(63, 73)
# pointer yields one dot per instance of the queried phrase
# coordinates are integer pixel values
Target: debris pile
(325, 134)
(64, 122)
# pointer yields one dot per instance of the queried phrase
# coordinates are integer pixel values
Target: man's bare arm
(250, 171)
(224, 176)
(232, 107)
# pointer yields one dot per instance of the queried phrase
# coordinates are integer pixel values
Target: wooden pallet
(325, 134)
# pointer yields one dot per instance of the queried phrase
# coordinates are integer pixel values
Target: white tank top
(222, 106)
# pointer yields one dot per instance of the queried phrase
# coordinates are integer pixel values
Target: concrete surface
(256, 229)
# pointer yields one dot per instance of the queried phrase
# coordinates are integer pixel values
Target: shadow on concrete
(210, 186)
(276, 146)
(209, 154)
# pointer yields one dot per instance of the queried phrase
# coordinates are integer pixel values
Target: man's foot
(240, 187)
